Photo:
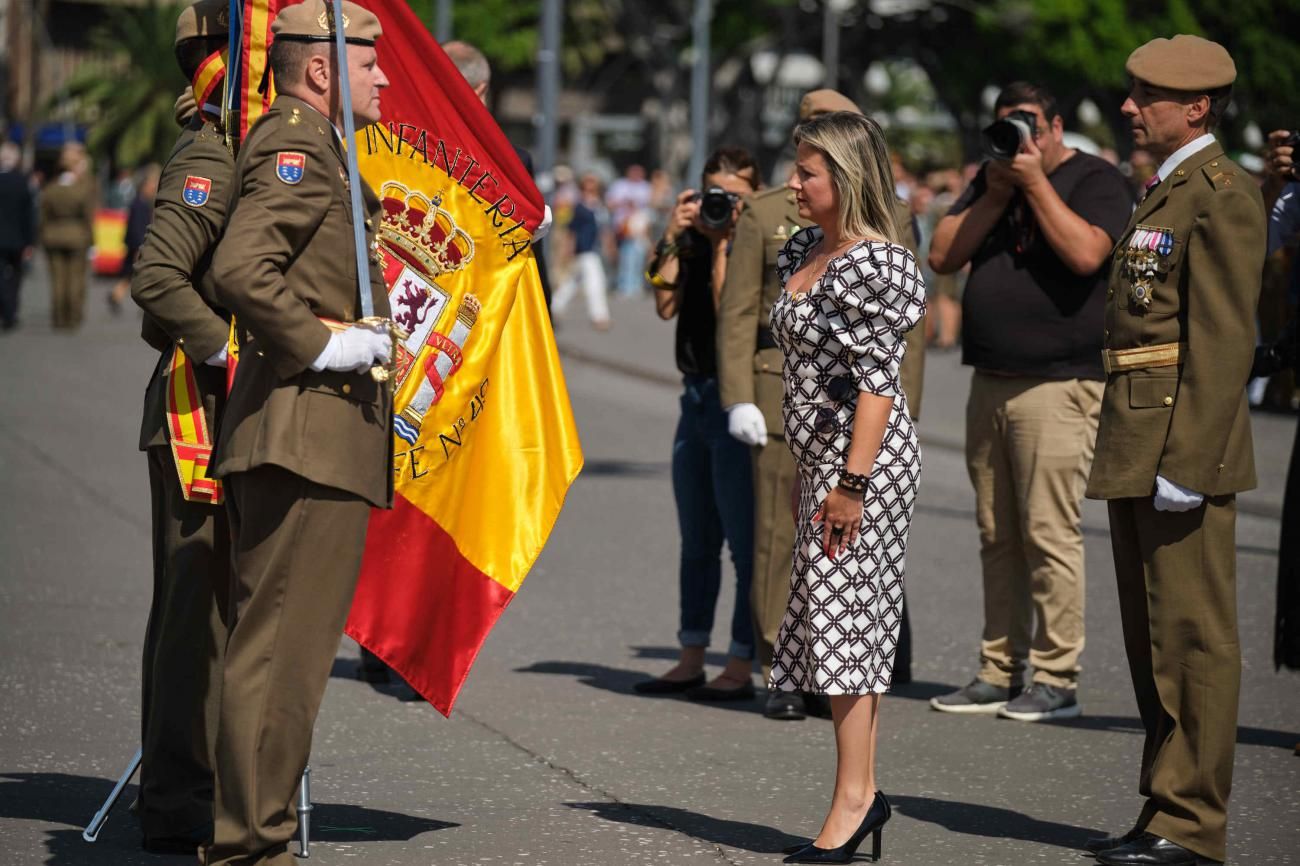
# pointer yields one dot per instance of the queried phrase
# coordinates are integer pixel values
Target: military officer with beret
(305, 447)
(1174, 445)
(750, 385)
(172, 283)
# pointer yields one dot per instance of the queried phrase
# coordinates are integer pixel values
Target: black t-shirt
(1023, 310)
(696, 318)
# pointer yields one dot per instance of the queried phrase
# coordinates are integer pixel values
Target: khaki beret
(205, 18)
(817, 102)
(1187, 63)
(311, 22)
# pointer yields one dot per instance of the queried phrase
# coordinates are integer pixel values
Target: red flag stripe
(407, 541)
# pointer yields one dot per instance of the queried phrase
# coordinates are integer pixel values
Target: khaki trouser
(774, 479)
(1029, 446)
(1176, 573)
(67, 286)
(296, 555)
(183, 648)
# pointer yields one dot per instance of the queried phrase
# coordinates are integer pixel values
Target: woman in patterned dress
(851, 292)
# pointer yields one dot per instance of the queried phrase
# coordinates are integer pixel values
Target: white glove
(1175, 497)
(745, 422)
(217, 360)
(356, 350)
(545, 228)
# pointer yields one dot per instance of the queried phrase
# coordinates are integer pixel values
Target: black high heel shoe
(872, 824)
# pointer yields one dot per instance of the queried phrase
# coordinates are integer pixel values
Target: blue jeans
(630, 277)
(714, 488)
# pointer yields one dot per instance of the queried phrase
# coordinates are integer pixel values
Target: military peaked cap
(1187, 63)
(312, 21)
(817, 102)
(204, 19)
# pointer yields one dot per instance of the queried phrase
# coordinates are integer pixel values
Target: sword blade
(367, 303)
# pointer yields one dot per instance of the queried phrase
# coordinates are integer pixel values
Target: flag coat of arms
(485, 442)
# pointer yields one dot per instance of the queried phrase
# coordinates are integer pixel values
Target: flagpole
(234, 44)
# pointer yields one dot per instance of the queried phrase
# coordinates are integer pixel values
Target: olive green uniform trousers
(183, 648)
(1178, 603)
(296, 556)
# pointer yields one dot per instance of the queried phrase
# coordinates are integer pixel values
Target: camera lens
(716, 209)
(1001, 140)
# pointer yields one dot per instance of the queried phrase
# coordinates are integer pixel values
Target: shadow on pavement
(919, 690)
(344, 822)
(625, 468)
(1246, 736)
(61, 798)
(733, 834)
(974, 819)
(620, 681)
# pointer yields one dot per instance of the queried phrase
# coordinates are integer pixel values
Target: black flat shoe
(743, 692)
(1148, 849)
(667, 687)
(784, 707)
(872, 825)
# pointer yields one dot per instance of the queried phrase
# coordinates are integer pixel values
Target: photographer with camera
(1037, 225)
(712, 472)
(1282, 354)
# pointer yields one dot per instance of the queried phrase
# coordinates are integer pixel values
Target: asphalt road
(550, 759)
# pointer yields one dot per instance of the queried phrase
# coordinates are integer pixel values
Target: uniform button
(1107, 333)
(1220, 467)
(347, 389)
(1110, 293)
(181, 341)
(1214, 164)
(1169, 401)
(261, 354)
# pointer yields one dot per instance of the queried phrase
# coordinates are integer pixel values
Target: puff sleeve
(872, 296)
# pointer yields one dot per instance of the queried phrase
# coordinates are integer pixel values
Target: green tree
(128, 96)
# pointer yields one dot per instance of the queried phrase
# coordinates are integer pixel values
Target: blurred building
(41, 43)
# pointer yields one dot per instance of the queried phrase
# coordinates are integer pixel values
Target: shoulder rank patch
(196, 191)
(290, 166)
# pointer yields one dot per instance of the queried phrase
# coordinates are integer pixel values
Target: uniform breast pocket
(819, 433)
(1152, 392)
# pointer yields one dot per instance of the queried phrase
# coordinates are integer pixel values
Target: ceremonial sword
(378, 373)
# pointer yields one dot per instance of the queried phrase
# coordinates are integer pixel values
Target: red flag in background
(486, 446)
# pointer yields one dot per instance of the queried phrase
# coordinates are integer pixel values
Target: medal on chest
(1147, 255)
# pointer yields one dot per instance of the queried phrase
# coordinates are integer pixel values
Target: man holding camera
(1037, 224)
(750, 383)
(1174, 446)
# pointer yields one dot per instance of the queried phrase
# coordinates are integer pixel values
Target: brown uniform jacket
(1189, 423)
(285, 262)
(67, 214)
(748, 373)
(172, 281)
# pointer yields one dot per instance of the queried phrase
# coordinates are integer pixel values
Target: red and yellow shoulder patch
(196, 191)
(290, 166)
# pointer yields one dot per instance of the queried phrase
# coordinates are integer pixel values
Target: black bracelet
(852, 483)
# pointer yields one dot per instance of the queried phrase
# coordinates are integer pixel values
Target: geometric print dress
(843, 336)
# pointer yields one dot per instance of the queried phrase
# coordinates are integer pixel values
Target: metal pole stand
(304, 816)
(91, 833)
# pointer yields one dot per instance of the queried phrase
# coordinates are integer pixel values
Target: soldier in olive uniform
(67, 215)
(1174, 445)
(749, 379)
(186, 635)
(305, 447)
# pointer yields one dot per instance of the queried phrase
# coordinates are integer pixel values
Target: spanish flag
(485, 444)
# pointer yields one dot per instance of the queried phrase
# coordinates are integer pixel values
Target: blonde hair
(854, 148)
